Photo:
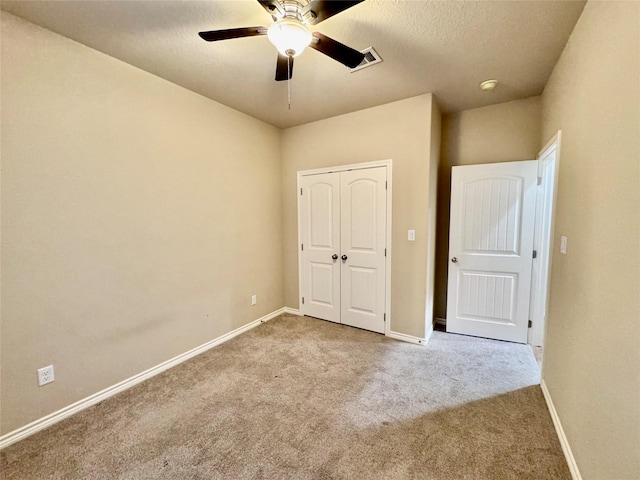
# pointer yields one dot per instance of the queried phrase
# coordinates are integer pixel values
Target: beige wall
(498, 133)
(592, 353)
(138, 220)
(400, 131)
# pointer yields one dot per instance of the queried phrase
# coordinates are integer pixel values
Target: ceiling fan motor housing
(292, 9)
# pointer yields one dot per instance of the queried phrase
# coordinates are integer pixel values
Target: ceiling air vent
(371, 57)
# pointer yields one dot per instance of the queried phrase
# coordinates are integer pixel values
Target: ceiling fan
(290, 33)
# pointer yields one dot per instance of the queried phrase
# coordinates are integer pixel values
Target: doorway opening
(548, 168)
(501, 245)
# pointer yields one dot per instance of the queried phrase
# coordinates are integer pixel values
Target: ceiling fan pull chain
(289, 80)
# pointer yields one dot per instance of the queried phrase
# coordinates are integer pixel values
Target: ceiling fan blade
(323, 9)
(273, 8)
(336, 50)
(284, 68)
(230, 33)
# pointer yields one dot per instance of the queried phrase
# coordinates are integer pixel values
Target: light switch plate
(563, 245)
(412, 235)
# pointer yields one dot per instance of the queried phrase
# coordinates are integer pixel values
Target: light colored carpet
(303, 398)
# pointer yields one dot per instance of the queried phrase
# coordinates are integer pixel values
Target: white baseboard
(292, 311)
(566, 448)
(91, 400)
(427, 337)
(409, 338)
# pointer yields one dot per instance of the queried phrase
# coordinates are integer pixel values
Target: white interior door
(363, 232)
(321, 245)
(491, 249)
(343, 233)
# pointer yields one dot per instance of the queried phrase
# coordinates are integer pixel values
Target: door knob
(344, 257)
(454, 259)
(334, 256)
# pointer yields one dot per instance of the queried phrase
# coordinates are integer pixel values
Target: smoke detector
(489, 84)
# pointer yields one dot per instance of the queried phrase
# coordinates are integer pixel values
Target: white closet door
(321, 241)
(362, 231)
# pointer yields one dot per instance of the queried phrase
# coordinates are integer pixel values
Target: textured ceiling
(443, 47)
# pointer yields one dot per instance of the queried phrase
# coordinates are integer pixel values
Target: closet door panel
(320, 243)
(363, 202)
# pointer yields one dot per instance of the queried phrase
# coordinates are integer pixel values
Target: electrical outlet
(254, 299)
(45, 375)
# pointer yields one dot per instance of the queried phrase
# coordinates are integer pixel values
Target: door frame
(543, 244)
(343, 168)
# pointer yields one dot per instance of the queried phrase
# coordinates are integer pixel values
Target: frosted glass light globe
(289, 36)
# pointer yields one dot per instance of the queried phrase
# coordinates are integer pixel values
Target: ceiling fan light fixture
(289, 36)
